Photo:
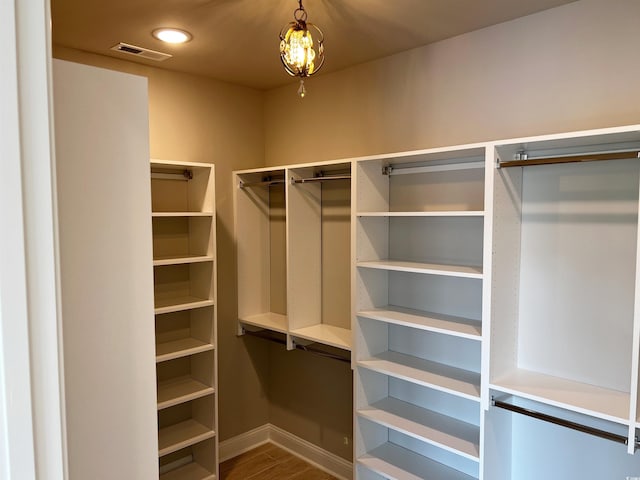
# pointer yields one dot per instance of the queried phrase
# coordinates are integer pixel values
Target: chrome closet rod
(593, 157)
(266, 183)
(562, 422)
(320, 179)
(304, 348)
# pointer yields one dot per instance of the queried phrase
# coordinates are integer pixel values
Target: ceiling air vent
(141, 52)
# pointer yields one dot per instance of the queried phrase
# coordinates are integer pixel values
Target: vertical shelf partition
(418, 303)
(184, 251)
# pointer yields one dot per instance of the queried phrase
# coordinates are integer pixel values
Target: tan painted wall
(197, 119)
(569, 68)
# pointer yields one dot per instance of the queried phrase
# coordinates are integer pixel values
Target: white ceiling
(237, 40)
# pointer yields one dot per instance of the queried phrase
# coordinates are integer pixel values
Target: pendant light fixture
(300, 57)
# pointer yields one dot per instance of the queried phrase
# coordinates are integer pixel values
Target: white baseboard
(324, 460)
(244, 442)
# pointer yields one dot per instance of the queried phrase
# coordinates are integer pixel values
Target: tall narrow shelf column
(184, 259)
(418, 299)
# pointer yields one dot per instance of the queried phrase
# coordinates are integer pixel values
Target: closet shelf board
(431, 427)
(180, 348)
(326, 334)
(435, 213)
(182, 435)
(611, 405)
(445, 378)
(269, 321)
(190, 471)
(180, 390)
(182, 214)
(167, 260)
(433, 322)
(177, 304)
(424, 268)
(397, 463)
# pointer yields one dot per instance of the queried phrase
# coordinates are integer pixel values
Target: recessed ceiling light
(172, 35)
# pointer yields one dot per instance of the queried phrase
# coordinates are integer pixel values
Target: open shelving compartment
(184, 259)
(260, 227)
(419, 305)
(565, 288)
(319, 246)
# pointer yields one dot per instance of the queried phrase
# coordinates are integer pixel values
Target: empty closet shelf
(190, 471)
(436, 213)
(579, 397)
(431, 427)
(182, 214)
(180, 348)
(398, 463)
(434, 322)
(326, 334)
(445, 378)
(180, 390)
(269, 320)
(424, 268)
(180, 260)
(177, 304)
(182, 435)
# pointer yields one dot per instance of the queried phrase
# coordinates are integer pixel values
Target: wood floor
(269, 462)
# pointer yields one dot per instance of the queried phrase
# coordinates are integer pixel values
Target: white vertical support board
(634, 413)
(304, 250)
(102, 150)
(487, 281)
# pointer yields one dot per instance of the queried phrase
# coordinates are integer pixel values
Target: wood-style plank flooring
(269, 462)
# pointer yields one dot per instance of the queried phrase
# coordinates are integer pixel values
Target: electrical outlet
(345, 440)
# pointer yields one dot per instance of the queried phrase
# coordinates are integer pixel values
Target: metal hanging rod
(563, 423)
(397, 170)
(263, 183)
(320, 179)
(305, 348)
(172, 175)
(592, 157)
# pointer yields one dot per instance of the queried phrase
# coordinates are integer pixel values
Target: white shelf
(160, 261)
(190, 471)
(177, 304)
(182, 435)
(327, 334)
(397, 463)
(443, 213)
(180, 348)
(445, 432)
(579, 397)
(182, 214)
(424, 268)
(180, 390)
(434, 375)
(269, 321)
(433, 322)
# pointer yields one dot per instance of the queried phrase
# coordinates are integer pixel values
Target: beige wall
(197, 119)
(569, 68)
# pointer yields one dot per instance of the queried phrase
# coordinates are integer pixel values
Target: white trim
(244, 442)
(307, 451)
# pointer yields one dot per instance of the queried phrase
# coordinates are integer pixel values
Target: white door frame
(32, 433)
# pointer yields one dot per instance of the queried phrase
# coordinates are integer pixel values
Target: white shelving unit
(418, 299)
(184, 259)
(564, 335)
(293, 230)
